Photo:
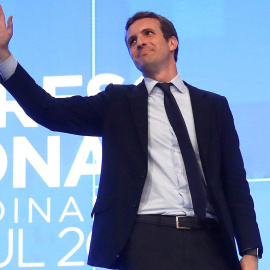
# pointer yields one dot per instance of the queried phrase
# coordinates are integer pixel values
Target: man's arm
(237, 193)
(76, 115)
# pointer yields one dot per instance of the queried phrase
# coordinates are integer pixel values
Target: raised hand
(5, 35)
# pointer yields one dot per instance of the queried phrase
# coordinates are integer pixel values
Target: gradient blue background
(224, 48)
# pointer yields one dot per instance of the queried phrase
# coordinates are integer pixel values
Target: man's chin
(145, 67)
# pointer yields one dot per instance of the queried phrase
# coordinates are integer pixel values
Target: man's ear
(173, 43)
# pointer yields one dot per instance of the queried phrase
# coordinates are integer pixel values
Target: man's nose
(141, 41)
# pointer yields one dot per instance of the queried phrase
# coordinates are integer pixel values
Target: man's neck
(165, 75)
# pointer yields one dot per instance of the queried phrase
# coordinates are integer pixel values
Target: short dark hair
(166, 26)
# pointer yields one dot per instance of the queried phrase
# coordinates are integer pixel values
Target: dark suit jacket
(119, 115)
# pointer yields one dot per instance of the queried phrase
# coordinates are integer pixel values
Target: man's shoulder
(212, 97)
(202, 92)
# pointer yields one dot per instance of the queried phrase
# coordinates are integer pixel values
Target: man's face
(147, 46)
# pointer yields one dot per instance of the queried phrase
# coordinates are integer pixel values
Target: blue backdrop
(48, 180)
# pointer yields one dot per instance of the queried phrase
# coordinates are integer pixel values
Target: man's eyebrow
(142, 31)
(148, 29)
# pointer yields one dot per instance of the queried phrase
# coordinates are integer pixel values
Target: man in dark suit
(169, 198)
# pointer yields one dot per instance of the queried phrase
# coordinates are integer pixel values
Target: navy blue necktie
(194, 174)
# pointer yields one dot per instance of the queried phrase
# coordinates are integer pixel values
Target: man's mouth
(144, 51)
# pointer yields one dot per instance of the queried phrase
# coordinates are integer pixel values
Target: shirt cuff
(257, 252)
(8, 68)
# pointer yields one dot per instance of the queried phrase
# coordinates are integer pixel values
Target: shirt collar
(176, 81)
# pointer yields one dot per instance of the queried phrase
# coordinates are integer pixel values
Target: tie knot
(165, 87)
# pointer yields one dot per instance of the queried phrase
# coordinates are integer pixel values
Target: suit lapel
(202, 120)
(138, 97)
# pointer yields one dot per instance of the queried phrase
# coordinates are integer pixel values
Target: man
(169, 198)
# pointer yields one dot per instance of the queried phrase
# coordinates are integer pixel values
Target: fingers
(10, 25)
(2, 16)
(6, 31)
(3, 21)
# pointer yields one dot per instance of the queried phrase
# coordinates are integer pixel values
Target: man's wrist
(4, 55)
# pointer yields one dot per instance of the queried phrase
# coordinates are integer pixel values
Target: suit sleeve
(76, 115)
(235, 185)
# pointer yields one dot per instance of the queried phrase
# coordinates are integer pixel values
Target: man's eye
(132, 42)
(148, 33)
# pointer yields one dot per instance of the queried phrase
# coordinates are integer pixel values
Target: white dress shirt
(166, 189)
